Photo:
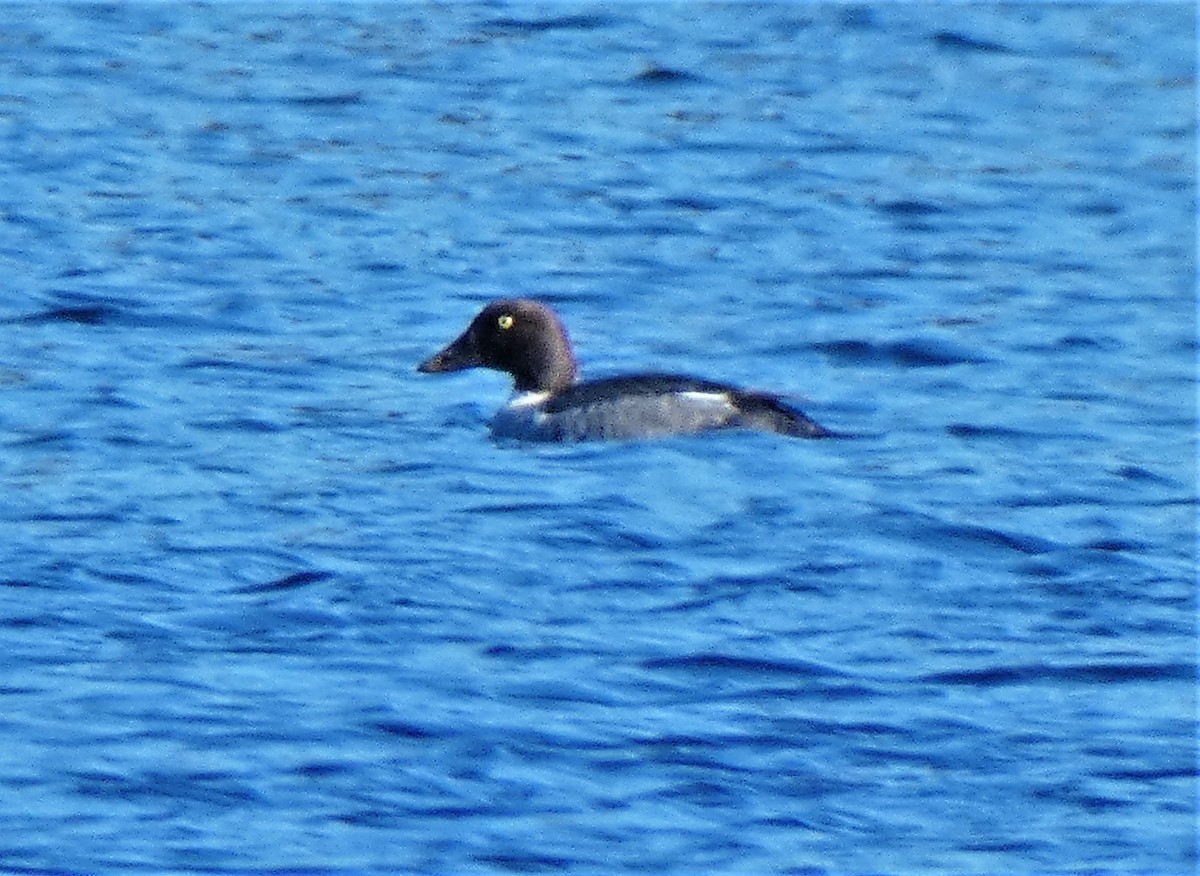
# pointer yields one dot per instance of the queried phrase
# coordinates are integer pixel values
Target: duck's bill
(460, 354)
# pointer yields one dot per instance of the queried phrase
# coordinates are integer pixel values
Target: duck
(526, 339)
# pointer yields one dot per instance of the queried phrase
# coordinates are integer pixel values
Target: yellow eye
(505, 322)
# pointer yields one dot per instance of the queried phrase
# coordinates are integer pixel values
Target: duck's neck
(550, 370)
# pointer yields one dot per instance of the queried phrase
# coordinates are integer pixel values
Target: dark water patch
(288, 582)
(327, 100)
(733, 588)
(1115, 545)
(725, 663)
(1044, 569)
(524, 654)
(101, 313)
(1001, 433)
(324, 770)
(12, 377)
(382, 267)
(858, 17)
(704, 794)
(656, 74)
(692, 204)
(957, 42)
(1085, 342)
(1097, 803)
(114, 195)
(74, 517)
(909, 209)
(109, 397)
(543, 25)
(404, 730)
(1058, 498)
(907, 353)
(842, 146)
(74, 273)
(525, 863)
(538, 508)
(462, 118)
(815, 727)
(982, 536)
(608, 535)
(211, 788)
(1183, 771)
(80, 314)
(132, 579)
(1098, 208)
(1144, 475)
(47, 622)
(42, 439)
(1022, 847)
(1087, 673)
(375, 819)
(840, 305)
(245, 425)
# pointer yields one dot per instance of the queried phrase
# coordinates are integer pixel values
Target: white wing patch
(708, 399)
(521, 417)
(528, 399)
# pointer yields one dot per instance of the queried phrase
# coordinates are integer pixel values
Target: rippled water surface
(271, 599)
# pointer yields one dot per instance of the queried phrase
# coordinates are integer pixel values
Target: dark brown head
(519, 336)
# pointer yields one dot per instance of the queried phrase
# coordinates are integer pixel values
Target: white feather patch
(528, 399)
(710, 399)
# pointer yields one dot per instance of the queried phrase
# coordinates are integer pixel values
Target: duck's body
(526, 339)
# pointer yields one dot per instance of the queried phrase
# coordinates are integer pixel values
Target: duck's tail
(763, 411)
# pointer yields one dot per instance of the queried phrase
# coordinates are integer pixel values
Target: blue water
(271, 599)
